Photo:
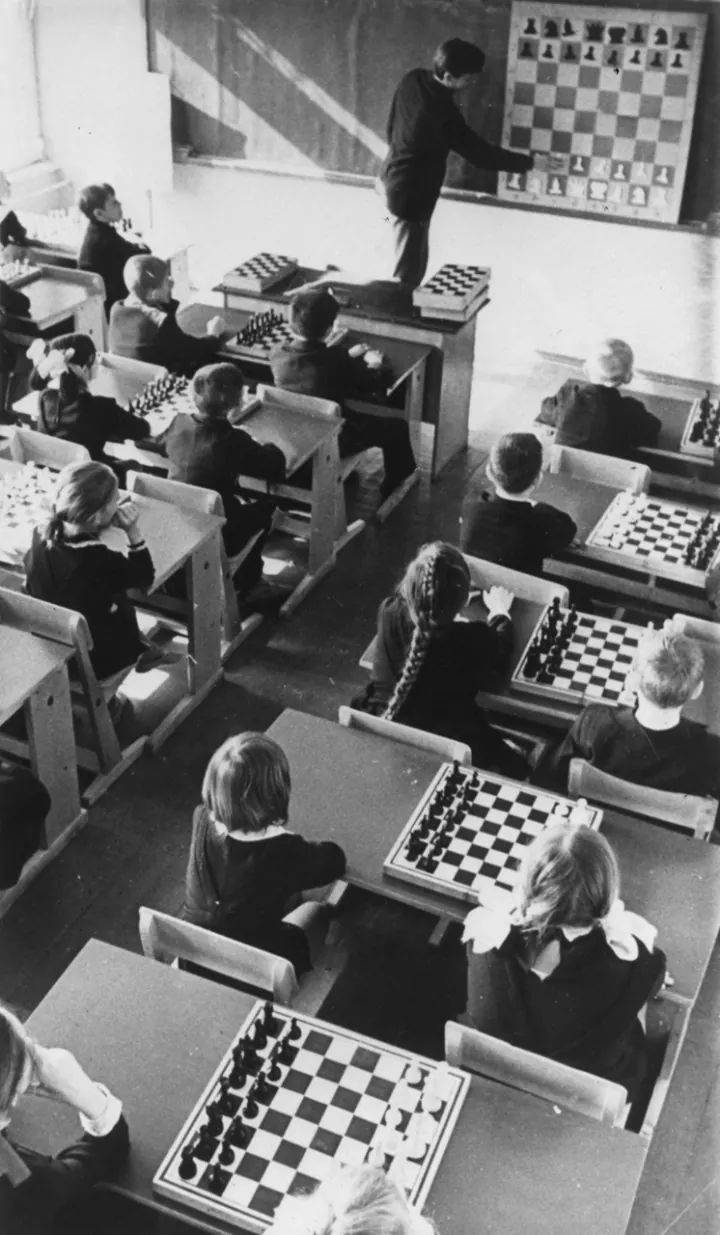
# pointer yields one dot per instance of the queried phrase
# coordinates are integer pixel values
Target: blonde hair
(15, 1057)
(144, 273)
(246, 786)
(668, 667)
(610, 362)
(358, 1200)
(434, 588)
(83, 491)
(568, 877)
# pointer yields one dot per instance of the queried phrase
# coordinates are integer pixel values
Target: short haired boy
(509, 527)
(143, 326)
(306, 365)
(103, 250)
(593, 415)
(204, 449)
(653, 744)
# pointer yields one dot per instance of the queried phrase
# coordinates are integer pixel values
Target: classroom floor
(133, 852)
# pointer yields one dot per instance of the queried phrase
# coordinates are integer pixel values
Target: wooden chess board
(701, 436)
(661, 538)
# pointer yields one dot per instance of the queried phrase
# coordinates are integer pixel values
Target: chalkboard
(307, 84)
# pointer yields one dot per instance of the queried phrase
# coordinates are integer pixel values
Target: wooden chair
(684, 810)
(667, 1019)
(697, 628)
(29, 446)
(169, 940)
(104, 756)
(444, 748)
(206, 501)
(601, 469)
(589, 1095)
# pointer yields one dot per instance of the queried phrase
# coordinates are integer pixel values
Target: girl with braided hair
(428, 668)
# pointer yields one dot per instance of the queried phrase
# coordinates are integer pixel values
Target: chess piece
(612, 59)
(637, 197)
(661, 37)
(217, 1179)
(530, 27)
(590, 53)
(238, 1134)
(548, 54)
(677, 62)
(259, 1035)
(188, 1165)
(682, 42)
(619, 172)
(551, 29)
(555, 188)
(616, 34)
(635, 58)
(413, 1074)
(579, 165)
(214, 1120)
(514, 180)
(568, 32)
(226, 1155)
(569, 53)
(250, 1108)
(638, 35)
(526, 52)
(662, 176)
(595, 31)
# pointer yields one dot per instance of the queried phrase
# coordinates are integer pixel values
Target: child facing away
(246, 869)
(651, 744)
(204, 449)
(62, 370)
(68, 564)
(593, 415)
(352, 1200)
(143, 326)
(103, 250)
(37, 1193)
(565, 970)
(306, 365)
(428, 668)
(509, 527)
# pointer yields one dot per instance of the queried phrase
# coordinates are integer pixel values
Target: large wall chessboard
(605, 98)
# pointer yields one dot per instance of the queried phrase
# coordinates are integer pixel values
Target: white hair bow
(486, 928)
(49, 364)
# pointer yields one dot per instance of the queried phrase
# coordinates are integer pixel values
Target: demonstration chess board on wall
(606, 99)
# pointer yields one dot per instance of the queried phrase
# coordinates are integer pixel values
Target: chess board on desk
(262, 332)
(606, 98)
(454, 292)
(258, 273)
(663, 538)
(469, 832)
(18, 273)
(26, 496)
(291, 1100)
(161, 401)
(701, 436)
(578, 657)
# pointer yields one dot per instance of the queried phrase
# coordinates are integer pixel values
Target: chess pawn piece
(188, 1165)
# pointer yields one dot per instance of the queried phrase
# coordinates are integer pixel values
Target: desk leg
(328, 529)
(48, 716)
(448, 394)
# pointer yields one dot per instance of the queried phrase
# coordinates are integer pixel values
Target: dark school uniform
(104, 251)
(90, 421)
(594, 417)
(150, 332)
(12, 230)
(241, 888)
(83, 574)
(519, 535)
(24, 804)
(13, 304)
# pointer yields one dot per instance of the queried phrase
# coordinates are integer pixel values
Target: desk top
(298, 434)
(116, 378)
(26, 661)
(535, 1167)
(55, 295)
(584, 500)
(359, 790)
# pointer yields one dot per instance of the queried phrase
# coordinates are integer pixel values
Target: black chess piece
(263, 1091)
(205, 1146)
(616, 34)
(638, 35)
(590, 54)
(526, 52)
(214, 1119)
(677, 62)
(269, 1017)
(226, 1155)
(226, 1103)
(530, 27)
(188, 1165)
(551, 29)
(682, 42)
(286, 1050)
(612, 59)
(548, 54)
(595, 31)
(568, 32)
(635, 58)
(569, 53)
(259, 1035)
(657, 61)
(661, 37)
(217, 1178)
(238, 1134)
(250, 1109)
(274, 1072)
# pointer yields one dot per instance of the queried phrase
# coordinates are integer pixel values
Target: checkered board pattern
(263, 331)
(470, 830)
(605, 99)
(18, 273)
(677, 542)
(26, 496)
(579, 657)
(339, 1099)
(259, 273)
(701, 436)
(454, 289)
(161, 401)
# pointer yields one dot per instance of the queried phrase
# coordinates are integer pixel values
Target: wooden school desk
(384, 309)
(188, 541)
(521, 1163)
(116, 378)
(359, 790)
(59, 294)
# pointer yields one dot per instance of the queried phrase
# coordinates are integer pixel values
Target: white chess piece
(514, 181)
(581, 812)
(579, 166)
(637, 197)
(620, 172)
(598, 191)
(555, 187)
(662, 177)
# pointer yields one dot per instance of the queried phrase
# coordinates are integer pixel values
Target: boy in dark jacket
(103, 250)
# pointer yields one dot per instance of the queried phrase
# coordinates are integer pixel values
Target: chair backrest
(299, 403)
(444, 748)
(684, 810)
(190, 497)
(589, 1095)
(29, 446)
(603, 469)
(697, 628)
(666, 1025)
(166, 939)
(525, 587)
(123, 366)
(41, 618)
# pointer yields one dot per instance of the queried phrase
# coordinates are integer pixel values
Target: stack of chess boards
(262, 332)
(455, 292)
(468, 833)
(678, 542)
(18, 273)
(26, 497)
(291, 1100)
(260, 272)
(701, 436)
(578, 656)
(160, 402)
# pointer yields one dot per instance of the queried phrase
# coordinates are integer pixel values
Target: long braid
(424, 629)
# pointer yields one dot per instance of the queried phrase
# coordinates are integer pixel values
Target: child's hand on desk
(373, 358)
(498, 600)
(127, 517)
(58, 1073)
(216, 326)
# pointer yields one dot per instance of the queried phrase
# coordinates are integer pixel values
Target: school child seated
(24, 804)
(104, 250)
(246, 868)
(62, 370)
(428, 668)
(13, 303)
(12, 231)
(565, 969)
(509, 527)
(306, 365)
(143, 326)
(651, 744)
(593, 415)
(352, 1200)
(39, 1194)
(68, 564)
(204, 449)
